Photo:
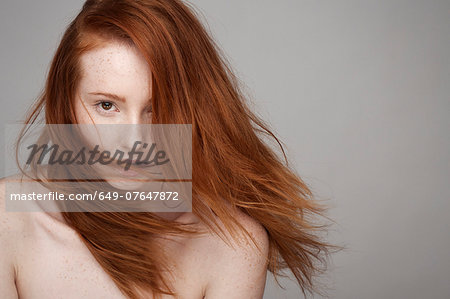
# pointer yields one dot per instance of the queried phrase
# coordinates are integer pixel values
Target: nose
(136, 116)
(131, 136)
(132, 129)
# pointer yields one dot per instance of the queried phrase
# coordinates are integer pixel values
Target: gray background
(357, 91)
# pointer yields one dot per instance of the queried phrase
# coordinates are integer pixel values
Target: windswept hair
(233, 167)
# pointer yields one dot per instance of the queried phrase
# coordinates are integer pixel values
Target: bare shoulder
(256, 230)
(11, 222)
(11, 230)
(239, 271)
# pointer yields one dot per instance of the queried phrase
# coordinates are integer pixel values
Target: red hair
(233, 168)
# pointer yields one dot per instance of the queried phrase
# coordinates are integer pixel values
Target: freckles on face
(115, 86)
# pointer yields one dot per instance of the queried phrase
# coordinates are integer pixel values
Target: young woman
(152, 62)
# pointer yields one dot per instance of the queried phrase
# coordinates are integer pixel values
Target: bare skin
(42, 257)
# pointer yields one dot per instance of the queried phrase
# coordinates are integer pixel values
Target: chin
(127, 184)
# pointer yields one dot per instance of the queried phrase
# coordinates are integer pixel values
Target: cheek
(82, 117)
(81, 113)
(95, 131)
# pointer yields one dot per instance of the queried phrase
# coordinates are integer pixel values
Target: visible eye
(105, 106)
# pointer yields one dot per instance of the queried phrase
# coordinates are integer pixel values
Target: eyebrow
(109, 95)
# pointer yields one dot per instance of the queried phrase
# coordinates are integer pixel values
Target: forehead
(115, 67)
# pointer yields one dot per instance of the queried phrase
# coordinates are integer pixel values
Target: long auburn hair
(233, 168)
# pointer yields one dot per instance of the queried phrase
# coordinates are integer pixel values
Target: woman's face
(115, 87)
(114, 91)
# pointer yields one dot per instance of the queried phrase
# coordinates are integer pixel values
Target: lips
(134, 168)
(140, 165)
(130, 172)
